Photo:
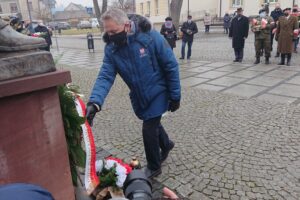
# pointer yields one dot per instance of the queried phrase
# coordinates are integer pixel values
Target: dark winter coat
(148, 67)
(189, 28)
(275, 14)
(44, 29)
(171, 35)
(285, 33)
(227, 20)
(239, 30)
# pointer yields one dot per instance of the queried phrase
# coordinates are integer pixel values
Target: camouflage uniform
(262, 37)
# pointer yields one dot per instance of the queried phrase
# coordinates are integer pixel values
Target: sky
(66, 2)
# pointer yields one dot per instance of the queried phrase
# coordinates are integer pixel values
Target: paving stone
(245, 90)
(246, 74)
(230, 68)
(287, 90)
(295, 80)
(265, 81)
(226, 81)
(281, 73)
(185, 190)
(277, 98)
(212, 74)
(198, 196)
(217, 64)
(262, 68)
(199, 69)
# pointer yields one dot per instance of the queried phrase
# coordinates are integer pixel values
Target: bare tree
(175, 9)
(99, 12)
(125, 5)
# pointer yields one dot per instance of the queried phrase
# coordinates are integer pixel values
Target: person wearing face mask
(275, 14)
(261, 26)
(168, 30)
(189, 29)
(287, 25)
(296, 35)
(146, 63)
(238, 32)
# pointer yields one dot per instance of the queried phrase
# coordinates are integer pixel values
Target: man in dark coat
(239, 32)
(275, 14)
(168, 30)
(146, 63)
(43, 29)
(189, 29)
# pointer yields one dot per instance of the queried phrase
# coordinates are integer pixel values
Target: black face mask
(119, 39)
(286, 14)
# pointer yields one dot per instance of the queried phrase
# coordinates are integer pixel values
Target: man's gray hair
(115, 14)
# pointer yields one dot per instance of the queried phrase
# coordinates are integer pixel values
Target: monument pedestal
(33, 146)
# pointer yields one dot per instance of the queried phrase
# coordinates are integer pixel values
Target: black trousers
(155, 138)
(239, 54)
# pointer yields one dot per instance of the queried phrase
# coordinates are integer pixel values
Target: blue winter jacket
(148, 67)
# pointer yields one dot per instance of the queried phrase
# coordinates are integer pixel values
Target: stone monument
(32, 140)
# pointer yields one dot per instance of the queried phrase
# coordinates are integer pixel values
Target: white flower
(109, 164)
(99, 165)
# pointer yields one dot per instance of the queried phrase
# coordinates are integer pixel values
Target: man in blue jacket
(146, 63)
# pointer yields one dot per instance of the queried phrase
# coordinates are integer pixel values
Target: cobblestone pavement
(236, 134)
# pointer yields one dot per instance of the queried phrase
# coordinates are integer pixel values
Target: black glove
(91, 110)
(174, 105)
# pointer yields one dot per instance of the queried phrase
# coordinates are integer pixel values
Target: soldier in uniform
(261, 26)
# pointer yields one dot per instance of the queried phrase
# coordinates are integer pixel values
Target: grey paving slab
(295, 80)
(246, 74)
(263, 68)
(277, 98)
(185, 74)
(230, 68)
(227, 81)
(191, 65)
(281, 73)
(199, 69)
(291, 68)
(287, 90)
(265, 81)
(210, 87)
(212, 74)
(192, 81)
(217, 64)
(245, 90)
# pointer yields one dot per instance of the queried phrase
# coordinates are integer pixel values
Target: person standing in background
(168, 30)
(226, 21)
(207, 22)
(275, 14)
(287, 26)
(189, 29)
(296, 35)
(238, 32)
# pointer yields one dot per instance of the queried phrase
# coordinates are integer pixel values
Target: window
(148, 8)
(1, 9)
(142, 8)
(30, 6)
(13, 7)
(271, 1)
(156, 8)
(237, 3)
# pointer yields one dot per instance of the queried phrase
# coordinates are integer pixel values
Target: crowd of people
(280, 25)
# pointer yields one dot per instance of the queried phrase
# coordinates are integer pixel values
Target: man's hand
(91, 110)
(174, 105)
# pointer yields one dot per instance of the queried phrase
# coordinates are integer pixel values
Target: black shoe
(151, 173)
(282, 61)
(181, 58)
(189, 58)
(236, 60)
(240, 61)
(267, 61)
(164, 155)
(257, 61)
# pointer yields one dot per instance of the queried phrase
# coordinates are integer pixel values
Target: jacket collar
(143, 38)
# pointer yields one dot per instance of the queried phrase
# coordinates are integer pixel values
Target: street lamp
(29, 12)
(188, 7)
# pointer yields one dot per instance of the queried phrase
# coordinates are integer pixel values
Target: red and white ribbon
(91, 180)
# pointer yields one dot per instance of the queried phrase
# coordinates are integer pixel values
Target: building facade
(158, 10)
(38, 9)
